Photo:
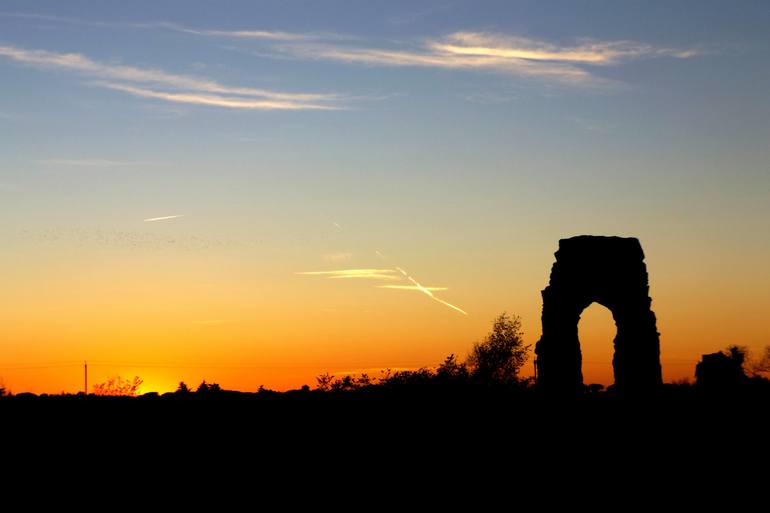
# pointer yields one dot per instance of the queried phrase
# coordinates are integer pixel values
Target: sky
(255, 193)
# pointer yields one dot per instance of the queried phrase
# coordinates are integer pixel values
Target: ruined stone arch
(609, 271)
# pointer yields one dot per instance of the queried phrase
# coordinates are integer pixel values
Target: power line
(183, 365)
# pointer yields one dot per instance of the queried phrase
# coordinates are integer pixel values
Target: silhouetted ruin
(609, 271)
(722, 370)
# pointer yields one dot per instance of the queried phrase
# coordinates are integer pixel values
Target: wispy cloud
(269, 35)
(163, 218)
(57, 19)
(177, 88)
(572, 64)
(586, 51)
(492, 52)
(229, 102)
(101, 163)
(371, 274)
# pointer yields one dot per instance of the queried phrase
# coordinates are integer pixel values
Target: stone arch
(609, 271)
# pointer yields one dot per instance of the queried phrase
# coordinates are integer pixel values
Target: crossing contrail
(427, 291)
(410, 287)
(386, 274)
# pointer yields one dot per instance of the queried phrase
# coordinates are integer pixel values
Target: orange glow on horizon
(173, 316)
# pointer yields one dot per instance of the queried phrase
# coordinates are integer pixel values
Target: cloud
(586, 52)
(571, 64)
(398, 58)
(229, 102)
(493, 52)
(178, 88)
(371, 274)
(163, 218)
(270, 35)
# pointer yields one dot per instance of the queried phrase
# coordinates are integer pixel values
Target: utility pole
(85, 376)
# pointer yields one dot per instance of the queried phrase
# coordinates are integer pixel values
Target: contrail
(429, 293)
(410, 287)
(375, 274)
(385, 274)
(150, 220)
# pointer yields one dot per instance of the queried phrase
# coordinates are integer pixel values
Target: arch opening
(596, 335)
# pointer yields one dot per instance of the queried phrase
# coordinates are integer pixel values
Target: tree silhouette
(117, 386)
(207, 388)
(761, 366)
(324, 381)
(500, 356)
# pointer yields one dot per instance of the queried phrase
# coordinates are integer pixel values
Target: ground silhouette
(455, 411)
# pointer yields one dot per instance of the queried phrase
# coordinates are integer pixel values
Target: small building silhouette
(720, 370)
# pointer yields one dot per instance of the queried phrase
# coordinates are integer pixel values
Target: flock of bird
(129, 239)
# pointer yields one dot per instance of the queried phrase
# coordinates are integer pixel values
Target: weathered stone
(609, 271)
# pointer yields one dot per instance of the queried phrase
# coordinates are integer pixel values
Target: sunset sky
(255, 193)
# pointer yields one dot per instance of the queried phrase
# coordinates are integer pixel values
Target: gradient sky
(172, 171)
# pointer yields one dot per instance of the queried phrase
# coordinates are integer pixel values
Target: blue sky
(466, 137)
